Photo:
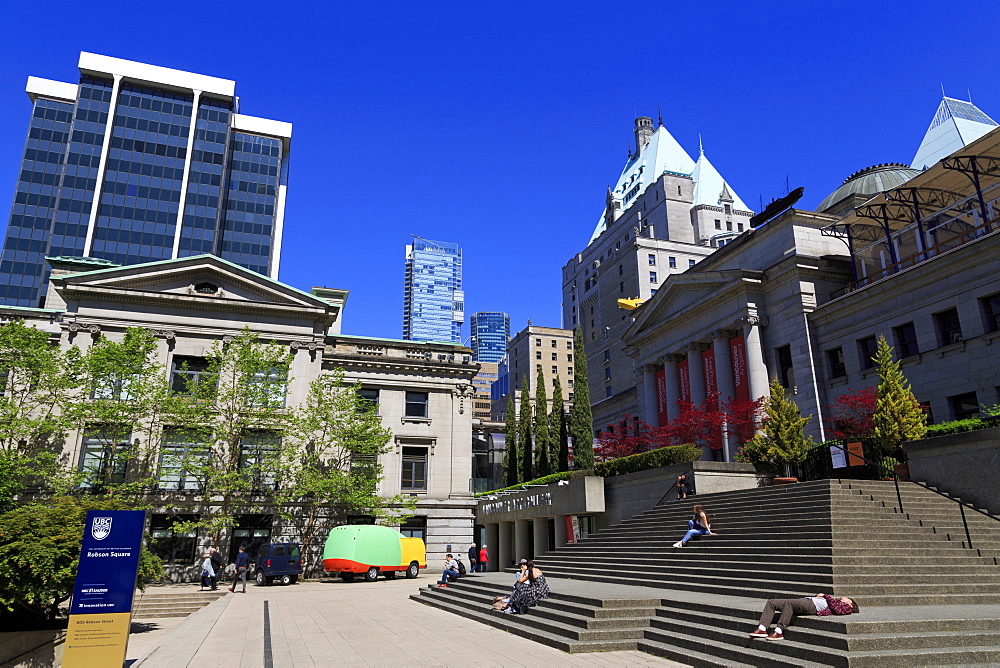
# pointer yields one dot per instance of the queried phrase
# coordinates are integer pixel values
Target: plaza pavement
(333, 623)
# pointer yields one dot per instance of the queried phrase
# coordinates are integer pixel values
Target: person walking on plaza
(473, 558)
(242, 566)
(218, 563)
(697, 526)
(207, 573)
(484, 558)
(450, 570)
(820, 604)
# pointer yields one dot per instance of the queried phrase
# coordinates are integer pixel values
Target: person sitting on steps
(697, 526)
(820, 604)
(450, 571)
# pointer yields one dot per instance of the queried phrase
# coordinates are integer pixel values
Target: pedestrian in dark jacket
(820, 604)
(242, 566)
(218, 564)
(473, 558)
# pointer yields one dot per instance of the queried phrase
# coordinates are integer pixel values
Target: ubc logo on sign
(101, 528)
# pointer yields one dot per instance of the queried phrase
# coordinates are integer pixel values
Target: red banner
(708, 364)
(661, 396)
(741, 380)
(685, 378)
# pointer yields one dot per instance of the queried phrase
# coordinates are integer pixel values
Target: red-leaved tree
(706, 424)
(629, 437)
(852, 414)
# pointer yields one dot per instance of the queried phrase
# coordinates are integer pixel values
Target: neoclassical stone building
(423, 390)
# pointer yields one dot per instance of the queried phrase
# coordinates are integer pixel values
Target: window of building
(991, 312)
(949, 329)
(569, 371)
(183, 459)
(621, 270)
(729, 226)
(867, 348)
(574, 320)
(257, 453)
(727, 208)
(786, 375)
(652, 277)
(621, 288)
(268, 388)
(416, 404)
(571, 396)
(835, 358)
(104, 461)
(555, 371)
(368, 398)
(555, 356)
(607, 391)
(554, 343)
(718, 224)
(672, 262)
(906, 340)
(964, 406)
(607, 355)
(739, 227)
(538, 342)
(414, 471)
(569, 345)
(187, 372)
(569, 383)
(538, 354)
(652, 292)
(170, 544)
(569, 357)
(690, 263)
(652, 259)
(415, 527)
(607, 373)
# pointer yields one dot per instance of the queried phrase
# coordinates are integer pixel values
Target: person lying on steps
(820, 604)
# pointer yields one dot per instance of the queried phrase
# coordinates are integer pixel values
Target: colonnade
(510, 541)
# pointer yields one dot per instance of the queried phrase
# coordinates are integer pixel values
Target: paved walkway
(334, 623)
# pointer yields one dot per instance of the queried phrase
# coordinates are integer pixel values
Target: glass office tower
(139, 163)
(490, 333)
(433, 301)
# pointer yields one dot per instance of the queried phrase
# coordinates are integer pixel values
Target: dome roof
(868, 182)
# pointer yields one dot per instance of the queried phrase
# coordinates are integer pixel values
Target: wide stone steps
(152, 605)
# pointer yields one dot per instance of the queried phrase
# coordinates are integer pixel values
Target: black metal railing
(876, 469)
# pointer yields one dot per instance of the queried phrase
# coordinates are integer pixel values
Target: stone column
(696, 372)
(520, 542)
(492, 542)
(756, 369)
(560, 531)
(649, 395)
(541, 536)
(724, 378)
(673, 382)
(503, 555)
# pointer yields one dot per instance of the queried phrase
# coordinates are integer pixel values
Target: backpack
(461, 567)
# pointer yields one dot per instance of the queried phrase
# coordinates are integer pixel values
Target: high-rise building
(138, 163)
(433, 301)
(665, 214)
(532, 350)
(490, 333)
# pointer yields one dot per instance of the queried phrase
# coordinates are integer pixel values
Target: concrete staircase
(926, 598)
(153, 604)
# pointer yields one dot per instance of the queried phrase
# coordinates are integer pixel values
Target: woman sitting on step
(531, 587)
(697, 526)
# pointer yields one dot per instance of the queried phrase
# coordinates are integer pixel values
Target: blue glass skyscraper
(139, 163)
(433, 301)
(490, 333)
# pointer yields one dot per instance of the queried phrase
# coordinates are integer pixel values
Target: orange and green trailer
(372, 549)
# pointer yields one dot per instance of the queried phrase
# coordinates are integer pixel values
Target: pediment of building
(683, 293)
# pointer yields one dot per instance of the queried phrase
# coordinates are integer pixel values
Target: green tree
(898, 416)
(123, 405)
(511, 463)
(559, 438)
(330, 463)
(781, 439)
(40, 552)
(524, 440)
(235, 439)
(581, 420)
(543, 464)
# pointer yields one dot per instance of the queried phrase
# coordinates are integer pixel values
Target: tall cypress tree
(581, 421)
(543, 465)
(511, 467)
(898, 416)
(524, 427)
(559, 438)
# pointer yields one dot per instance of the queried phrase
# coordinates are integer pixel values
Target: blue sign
(109, 562)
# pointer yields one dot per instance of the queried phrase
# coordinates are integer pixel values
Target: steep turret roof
(956, 124)
(709, 186)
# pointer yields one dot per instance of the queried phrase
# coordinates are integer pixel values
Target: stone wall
(961, 464)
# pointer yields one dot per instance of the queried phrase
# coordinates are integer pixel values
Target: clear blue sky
(499, 127)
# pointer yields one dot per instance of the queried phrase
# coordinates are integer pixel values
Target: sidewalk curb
(184, 641)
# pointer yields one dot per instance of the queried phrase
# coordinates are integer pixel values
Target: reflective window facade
(229, 183)
(433, 303)
(490, 333)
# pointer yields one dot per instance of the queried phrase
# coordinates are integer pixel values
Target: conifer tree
(543, 464)
(581, 424)
(782, 438)
(511, 465)
(559, 438)
(524, 427)
(898, 416)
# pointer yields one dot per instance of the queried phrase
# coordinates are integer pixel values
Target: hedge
(674, 454)
(958, 426)
(544, 480)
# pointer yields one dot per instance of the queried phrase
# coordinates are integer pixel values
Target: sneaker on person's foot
(229, 588)
(442, 586)
(758, 633)
(776, 635)
(678, 544)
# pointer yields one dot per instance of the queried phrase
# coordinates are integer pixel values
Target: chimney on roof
(643, 131)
